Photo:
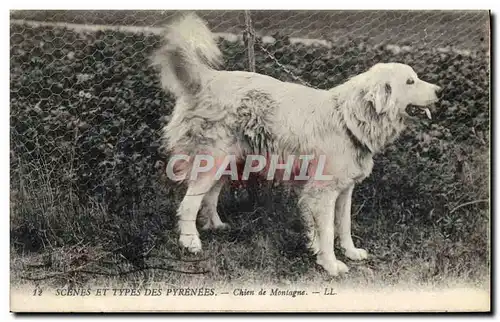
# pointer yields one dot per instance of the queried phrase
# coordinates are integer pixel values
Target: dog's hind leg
(320, 203)
(188, 210)
(209, 208)
(343, 219)
(311, 231)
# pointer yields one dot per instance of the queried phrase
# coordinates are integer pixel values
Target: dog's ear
(378, 96)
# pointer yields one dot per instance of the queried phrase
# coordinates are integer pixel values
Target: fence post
(249, 37)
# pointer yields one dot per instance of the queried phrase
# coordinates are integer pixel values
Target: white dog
(241, 113)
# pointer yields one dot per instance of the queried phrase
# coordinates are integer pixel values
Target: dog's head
(392, 87)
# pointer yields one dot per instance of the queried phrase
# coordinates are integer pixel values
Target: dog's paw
(332, 266)
(341, 267)
(191, 242)
(356, 254)
(220, 226)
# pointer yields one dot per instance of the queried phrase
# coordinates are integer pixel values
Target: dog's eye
(410, 81)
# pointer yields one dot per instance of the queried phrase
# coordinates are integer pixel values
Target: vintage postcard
(249, 161)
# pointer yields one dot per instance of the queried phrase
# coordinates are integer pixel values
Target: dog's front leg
(209, 209)
(343, 220)
(188, 210)
(321, 205)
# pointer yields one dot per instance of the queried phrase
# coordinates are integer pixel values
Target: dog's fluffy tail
(187, 56)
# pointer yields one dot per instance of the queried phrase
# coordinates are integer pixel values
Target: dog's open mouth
(414, 111)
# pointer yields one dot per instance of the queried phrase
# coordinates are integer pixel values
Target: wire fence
(87, 108)
(457, 28)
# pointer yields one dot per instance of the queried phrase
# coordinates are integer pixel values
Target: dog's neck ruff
(358, 144)
(368, 131)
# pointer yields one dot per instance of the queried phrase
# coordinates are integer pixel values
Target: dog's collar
(356, 142)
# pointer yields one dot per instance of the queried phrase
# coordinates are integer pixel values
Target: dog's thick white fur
(240, 113)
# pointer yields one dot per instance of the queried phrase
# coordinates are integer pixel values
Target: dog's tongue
(428, 113)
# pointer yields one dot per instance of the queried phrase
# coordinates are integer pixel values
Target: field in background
(86, 194)
(461, 29)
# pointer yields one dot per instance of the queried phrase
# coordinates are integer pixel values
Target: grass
(265, 245)
(86, 195)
